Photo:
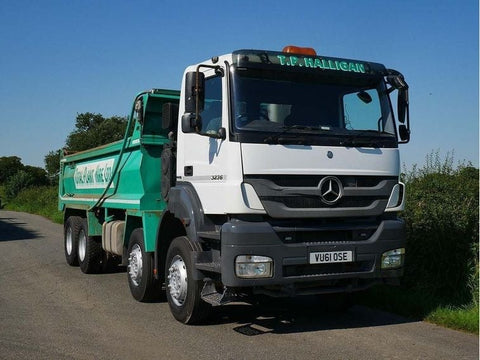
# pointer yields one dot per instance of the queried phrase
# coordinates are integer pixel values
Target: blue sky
(60, 58)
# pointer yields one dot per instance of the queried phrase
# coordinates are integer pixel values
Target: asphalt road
(49, 310)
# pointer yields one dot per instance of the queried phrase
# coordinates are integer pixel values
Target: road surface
(49, 310)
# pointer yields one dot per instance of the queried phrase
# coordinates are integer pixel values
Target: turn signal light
(299, 50)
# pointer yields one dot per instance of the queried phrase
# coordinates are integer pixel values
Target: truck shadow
(299, 315)
(11, 230)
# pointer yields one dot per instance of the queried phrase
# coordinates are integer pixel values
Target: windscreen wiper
(280, 138)
(363, 138)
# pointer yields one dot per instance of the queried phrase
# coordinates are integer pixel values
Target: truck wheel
(90, 252)
(142, 284)
(183, 292)
(71, 230)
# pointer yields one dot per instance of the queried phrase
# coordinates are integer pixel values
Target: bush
(442, 230)
(27, 177)
(17, 182)
(41, 200)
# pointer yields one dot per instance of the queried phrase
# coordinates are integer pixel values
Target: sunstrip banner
(325, 64)
(94, 175)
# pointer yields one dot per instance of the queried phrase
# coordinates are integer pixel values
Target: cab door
(203, 160)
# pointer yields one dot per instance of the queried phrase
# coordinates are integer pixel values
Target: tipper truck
(270, 173)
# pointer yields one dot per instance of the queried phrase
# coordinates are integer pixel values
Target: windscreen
(268, 105)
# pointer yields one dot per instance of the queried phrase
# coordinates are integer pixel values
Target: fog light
(393, 259)
(253, 266)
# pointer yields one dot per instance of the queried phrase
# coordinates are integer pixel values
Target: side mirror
(169, 116)
(222, 133)
(402, 105)
(397, 82)
(404, 133)
(191, 123)
(194, 92)
(403, 116)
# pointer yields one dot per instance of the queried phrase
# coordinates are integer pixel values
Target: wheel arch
(184, 216)
(170, 228)
(132, 222)
(186, 206)
(73, 212)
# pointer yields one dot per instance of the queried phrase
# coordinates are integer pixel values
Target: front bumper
(292, 272)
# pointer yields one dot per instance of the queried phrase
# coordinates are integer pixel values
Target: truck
(270, 173)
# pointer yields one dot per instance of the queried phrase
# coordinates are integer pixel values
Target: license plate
(330, 257)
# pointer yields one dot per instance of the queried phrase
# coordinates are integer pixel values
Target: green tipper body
(131, 169)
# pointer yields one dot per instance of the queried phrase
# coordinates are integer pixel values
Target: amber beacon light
(299, 50)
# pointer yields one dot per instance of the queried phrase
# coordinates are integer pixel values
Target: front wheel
(183, 291)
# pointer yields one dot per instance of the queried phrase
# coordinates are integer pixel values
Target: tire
(183, 292)
(90, 252)
(70, 237)
(141, 281)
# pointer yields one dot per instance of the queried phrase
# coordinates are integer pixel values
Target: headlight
(253, 266)
(393, 259)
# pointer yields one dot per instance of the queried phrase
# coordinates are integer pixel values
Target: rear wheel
(183, 292)
(90, 252)
(71, 232)
(140, 269)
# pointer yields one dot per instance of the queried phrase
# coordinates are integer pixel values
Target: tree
(26, 177)
(52, 163)
(93, 130)
(9, 166)
(37, 174)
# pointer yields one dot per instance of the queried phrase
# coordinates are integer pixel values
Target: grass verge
(420, 305)
(460, 318)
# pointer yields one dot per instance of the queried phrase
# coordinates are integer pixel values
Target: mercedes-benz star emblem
(331, 190)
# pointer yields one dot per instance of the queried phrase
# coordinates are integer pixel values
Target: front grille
(325, 237)
(299, 196)
(302, 202)
(322, 231)
(327, 269)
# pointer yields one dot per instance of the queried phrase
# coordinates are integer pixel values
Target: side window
(361, 111)
(212, 113)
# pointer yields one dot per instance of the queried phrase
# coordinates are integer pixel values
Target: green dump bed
(131, 168)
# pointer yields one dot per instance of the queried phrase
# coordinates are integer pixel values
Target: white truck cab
(292, 163)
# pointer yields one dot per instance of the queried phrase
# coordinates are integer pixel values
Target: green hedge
(441, 280)
(442, 232)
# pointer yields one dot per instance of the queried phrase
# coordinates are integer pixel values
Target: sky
(59, 58)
